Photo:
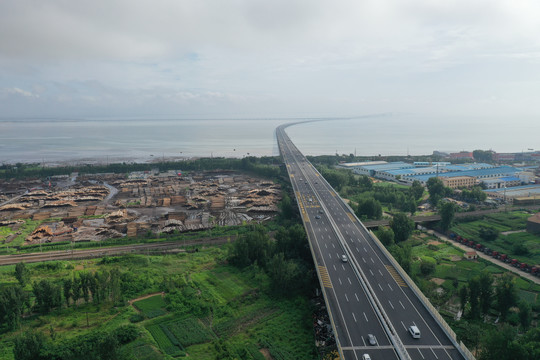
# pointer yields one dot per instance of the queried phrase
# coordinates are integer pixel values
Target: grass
(151, 307)
(244, 316)
(24, 230)
(511, 221)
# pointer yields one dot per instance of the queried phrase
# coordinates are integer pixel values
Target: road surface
(366, 294)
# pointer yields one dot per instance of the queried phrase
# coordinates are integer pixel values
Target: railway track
(108, 251)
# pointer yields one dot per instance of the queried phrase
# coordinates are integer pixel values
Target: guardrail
(330, 315)
(425, 301)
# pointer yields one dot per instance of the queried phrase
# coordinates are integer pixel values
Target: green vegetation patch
(151, 307)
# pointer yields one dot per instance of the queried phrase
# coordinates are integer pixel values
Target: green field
(237, 315)
(504, 222)
(151, 307)
(452, 266)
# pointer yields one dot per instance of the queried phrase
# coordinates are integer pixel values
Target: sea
(108, 140)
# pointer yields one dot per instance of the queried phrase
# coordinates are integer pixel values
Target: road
(366, 294)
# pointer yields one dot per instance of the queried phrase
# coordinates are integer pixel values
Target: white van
(415, 332)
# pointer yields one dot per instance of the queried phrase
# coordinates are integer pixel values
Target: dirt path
(497, 262)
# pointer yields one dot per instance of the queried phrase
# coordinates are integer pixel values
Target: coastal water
(53, 141)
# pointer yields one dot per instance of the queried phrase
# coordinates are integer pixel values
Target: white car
(415, 332)
(344, 258)
(366, 357)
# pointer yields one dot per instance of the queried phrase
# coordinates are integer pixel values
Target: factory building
(459, 181)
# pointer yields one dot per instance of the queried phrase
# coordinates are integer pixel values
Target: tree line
(98, 287)
(262, 166)
(285, 258)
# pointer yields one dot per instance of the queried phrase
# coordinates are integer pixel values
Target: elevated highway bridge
(365, 290)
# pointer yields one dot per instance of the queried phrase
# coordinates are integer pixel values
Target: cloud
(17, 92)
(291, 54)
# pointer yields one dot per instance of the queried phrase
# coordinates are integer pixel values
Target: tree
(286, 207)
(485, 294)
(28, 346)
(499, 344)
(13, 301)
(22, 274)
(463, 296)
(505, 294)
(447, 212)
(285, 275)
(483, 155)
(427, 266)
(67, 285)
(436, 190)
(385, 235)
(402, 226)
(76, 289)
(255, 246)
(417, 190)
(488, 233)
(369, 207)
(525, 314)
(519, 248)
(48, 295)
(474, 293)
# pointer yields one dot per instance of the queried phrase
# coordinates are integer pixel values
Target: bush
(126, 333)
(135, 318)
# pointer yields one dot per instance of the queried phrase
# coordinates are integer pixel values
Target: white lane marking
(401, 304)
(326, 246)
(372, 274)
(404, 326)
(354, 317)
(340, 283)
(366, 316)
(337, 255)
(346, 232)
(364, 341)
(330, 255)
(343, 266)
(391, 304)
(357, 250)
(380, 287)
(365, 249)
(335, 269)
(380, 272)
(364, 260)
(357, 299)
(390, 287)
(348, 278)
(434, 353)
(346, 297)
(422, 355)
(334, 246)
(372, 260)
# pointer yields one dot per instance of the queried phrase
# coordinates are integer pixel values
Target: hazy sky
(269, 58)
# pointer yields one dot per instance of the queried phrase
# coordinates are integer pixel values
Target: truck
(514, 262)
(504, 257)
(479, 247)
(535, 271)
(495, 254)
(524, 267)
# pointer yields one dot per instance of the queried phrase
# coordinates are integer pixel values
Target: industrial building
(522, 195)
(479, 174)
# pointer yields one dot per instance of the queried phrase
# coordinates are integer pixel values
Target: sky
(241, 58)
